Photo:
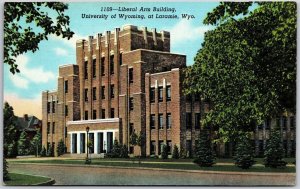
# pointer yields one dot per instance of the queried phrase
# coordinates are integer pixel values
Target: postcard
(149, 93)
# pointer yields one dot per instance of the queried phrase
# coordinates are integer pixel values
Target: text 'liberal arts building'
(127, 81)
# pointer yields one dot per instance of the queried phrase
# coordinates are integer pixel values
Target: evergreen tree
(10, 132)
(204, 151)
(60, 148)
(175, 154)
(182, 153)
(36, 143)
(124, 152)
(115, 151)
(50, 152)
(164, 153)
(5, 171)
(244, 152)
(23, 144)
(274, 151)
(43, 152)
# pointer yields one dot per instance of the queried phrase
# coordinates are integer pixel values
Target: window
(168, 93)
(131, 103)
(48, 107)
(292, 123)
(268, 124)
(152, 95)
(94, 93)
(94, 114)
(152, 121)
(102, 66)
(112, 112)
(103, 92)
(66, 110)
(152, 147)
(278, 122)
(161, 120)
(160, 94)
(85, 69)
(112, 64)
(188, 98)
(120, 59)
(53, 106)
(86, 95)
(169, 121)
(130, 75)
(188, 120)
(197, 97)
(197, 120)
(112, 91)
(160, 146)
(48, 128)
(284, 120)
(53, 127)
(103, 114)
(66, 86)
(131, 130)
(86, 115)
(94, 68)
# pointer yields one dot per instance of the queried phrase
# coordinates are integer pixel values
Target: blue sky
(39, 70)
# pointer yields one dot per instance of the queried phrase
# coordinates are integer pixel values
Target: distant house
(29, 124)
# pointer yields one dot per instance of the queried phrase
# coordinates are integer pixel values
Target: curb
(47, 183)
(174, 170)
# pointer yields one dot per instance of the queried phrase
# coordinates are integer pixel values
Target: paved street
(75, 175)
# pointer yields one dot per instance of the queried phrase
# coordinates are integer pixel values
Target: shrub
(60, 148)
(175, 154)
(124, 152)
(43, 152)
(244, 153)
(274, 151)
(50, 152)
(203, 150)
(5, 172)
(164, 153)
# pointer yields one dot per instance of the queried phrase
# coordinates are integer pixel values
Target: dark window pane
(152, 95)
(130, 75)
(168, 93)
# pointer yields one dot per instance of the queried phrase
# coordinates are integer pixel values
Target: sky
(39, 70)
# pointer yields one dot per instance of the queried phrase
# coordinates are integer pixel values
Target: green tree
(20, 37)
(244, 152)
(10, 132)
(23, 144)
(43, 152)
(164, 152)
(175, 154)
(60, 150)
(246, 67)
(137, 140)
(50, 151)
(124, 151)
(36, 143)
(274, 151)
(203, 150)
(5, 171)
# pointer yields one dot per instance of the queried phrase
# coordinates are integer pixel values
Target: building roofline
(148, 50)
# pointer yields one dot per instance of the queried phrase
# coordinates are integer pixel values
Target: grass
(149, 164)
(17, 179)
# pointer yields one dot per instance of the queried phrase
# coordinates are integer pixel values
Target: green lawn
(17, 179)
(164, 165)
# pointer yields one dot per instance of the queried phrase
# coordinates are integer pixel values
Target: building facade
(128, 81)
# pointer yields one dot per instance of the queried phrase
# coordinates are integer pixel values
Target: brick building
(127, 81)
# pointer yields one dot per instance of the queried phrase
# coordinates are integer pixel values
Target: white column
(78, 143)
(95, 143)
(71, 143)
(105, 141)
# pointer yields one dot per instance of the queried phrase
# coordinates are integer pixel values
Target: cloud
(60, 52)
(71, 42)
(25, 106)
(183, 31)
(27, 75)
